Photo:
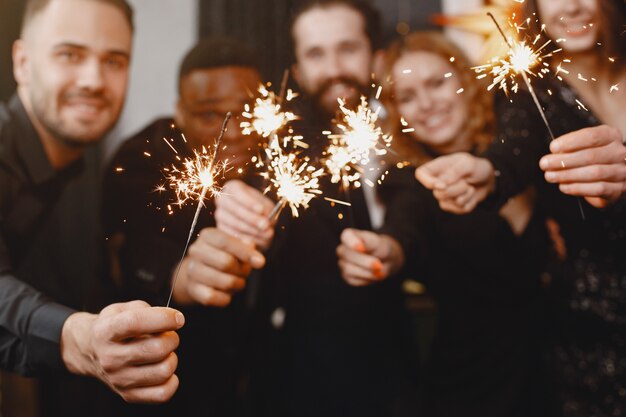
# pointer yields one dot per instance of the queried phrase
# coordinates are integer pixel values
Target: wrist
(76, 349)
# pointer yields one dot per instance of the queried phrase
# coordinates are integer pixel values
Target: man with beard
(71, 67)
(323, 347)
(217, 76)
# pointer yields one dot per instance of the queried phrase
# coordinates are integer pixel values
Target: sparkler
(521, 59)
(295, 182)
(353, 147)
(198, 179)
(266, 117)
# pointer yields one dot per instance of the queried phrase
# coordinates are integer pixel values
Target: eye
(116, 63)
(69, 56)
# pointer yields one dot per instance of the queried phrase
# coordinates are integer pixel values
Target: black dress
(485, 280)
(589, 289)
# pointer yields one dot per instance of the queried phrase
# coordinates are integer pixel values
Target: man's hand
(368, 257)
(459, 181)
(128, 346)
(590, 163)
(243, 211)
(215, 267)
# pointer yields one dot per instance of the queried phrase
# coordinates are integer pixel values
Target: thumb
(352, 239)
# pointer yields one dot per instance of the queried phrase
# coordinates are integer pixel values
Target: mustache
(87, 95)
(349, 81)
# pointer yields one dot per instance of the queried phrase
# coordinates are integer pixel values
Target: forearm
(31, 327)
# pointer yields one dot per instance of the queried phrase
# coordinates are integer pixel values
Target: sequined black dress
(587, 354)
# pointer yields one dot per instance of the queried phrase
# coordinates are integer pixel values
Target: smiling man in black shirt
(71, 67)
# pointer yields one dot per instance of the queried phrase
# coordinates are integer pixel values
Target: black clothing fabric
(323, 347)
(485, 281)
(30, 323)
(154, 232)
(589, 288)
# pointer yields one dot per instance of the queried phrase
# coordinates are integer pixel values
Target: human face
(576, 21)
(72, 68)
(333, 55)
(425, 94)
(205, 98)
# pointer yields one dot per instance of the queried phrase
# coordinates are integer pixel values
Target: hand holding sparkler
(589, 163)
(243, 211)
(200, 177)
(216, 267)
(366, 257)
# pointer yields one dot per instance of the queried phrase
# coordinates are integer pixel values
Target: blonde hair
(480, 123)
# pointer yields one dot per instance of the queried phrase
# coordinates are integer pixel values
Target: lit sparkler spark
(266, 117)
(614, 87)
(198, 177)
(295, 181)
(195, 181)
(521, 60)
(353, 147)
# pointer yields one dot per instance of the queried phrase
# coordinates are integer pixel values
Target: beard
(330, 109)
(70, 134)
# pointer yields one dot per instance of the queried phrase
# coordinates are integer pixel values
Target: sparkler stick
(523, 58)
(522, 72)
(206, 186)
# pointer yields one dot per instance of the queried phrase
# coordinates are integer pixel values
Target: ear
(21, 71)
(179, 118)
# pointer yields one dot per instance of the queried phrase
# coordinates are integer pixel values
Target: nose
(90, 75)
(425, 101)
(571, 6)
(333, 66)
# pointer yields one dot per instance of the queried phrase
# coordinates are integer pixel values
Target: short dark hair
(371, 17)
(33, 7)
(217, 52)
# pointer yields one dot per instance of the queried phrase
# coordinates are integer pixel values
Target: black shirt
(30, 324)
(341, 350)
(154, 231)
(485, 280)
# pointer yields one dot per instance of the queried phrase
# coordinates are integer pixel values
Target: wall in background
(165, 30)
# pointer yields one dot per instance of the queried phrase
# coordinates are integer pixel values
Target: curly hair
(480, 123)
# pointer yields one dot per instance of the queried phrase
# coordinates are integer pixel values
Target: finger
(428, 178)
(139, 322)
(452, 191)
(608, 190)
(243, 229)
(143, 350)
(146, 375)
(451, 207)
(585, 138)
(152, 395)
(239, 193)
(208, 296)
(464, 199)
(363, 260)
(241, 218)
(588, 174)
(232, 246)
(351, 271)
(350, 238)
(117, 308)
(213, 278)
(356, 282)
(596, 156)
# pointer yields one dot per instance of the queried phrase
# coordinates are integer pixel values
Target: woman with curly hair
(483, 268)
